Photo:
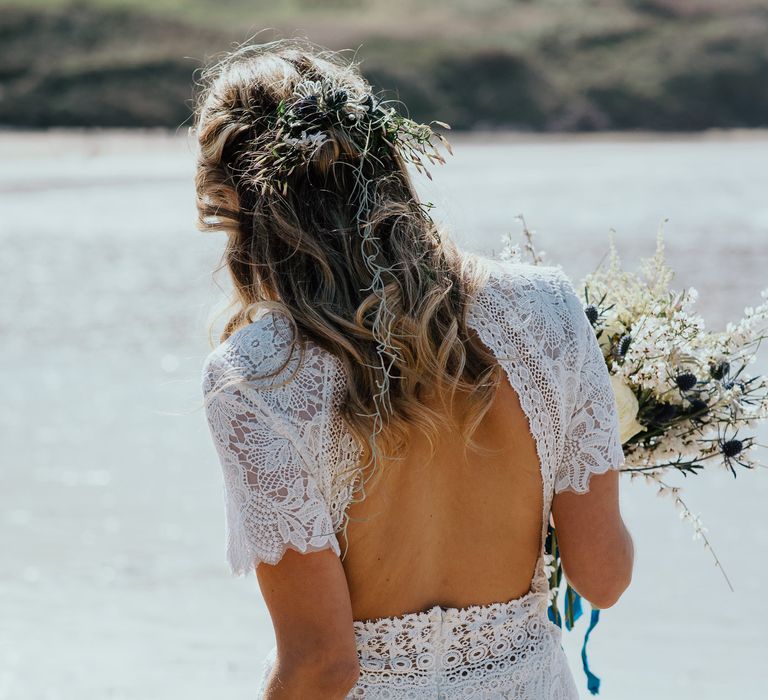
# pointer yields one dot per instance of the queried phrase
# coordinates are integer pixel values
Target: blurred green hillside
(554, 65)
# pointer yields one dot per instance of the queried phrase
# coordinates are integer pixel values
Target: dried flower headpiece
(302, 125)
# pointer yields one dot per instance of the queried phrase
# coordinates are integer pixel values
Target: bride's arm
(278, 516)
(308, 600)
(596, 549)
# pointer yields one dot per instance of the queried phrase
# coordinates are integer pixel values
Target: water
(113, 582)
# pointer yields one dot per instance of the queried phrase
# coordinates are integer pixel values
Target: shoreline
(30, 142)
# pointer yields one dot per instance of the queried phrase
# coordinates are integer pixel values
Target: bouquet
(685, 400)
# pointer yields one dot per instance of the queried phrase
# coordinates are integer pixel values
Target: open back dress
(284, 451)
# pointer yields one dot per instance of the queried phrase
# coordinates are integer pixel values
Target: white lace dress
(282, 444)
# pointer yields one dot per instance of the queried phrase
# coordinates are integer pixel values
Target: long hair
(294, 240)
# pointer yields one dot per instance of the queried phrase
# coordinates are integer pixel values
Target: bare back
(461, 529)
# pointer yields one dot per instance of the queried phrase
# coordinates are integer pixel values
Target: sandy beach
(113, 583)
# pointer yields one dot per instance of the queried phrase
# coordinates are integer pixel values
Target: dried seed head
(731, 448)
(624, 343)
(592, 314)
(719, 370)
(686, 381)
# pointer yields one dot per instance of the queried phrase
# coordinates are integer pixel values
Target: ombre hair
(297, 247)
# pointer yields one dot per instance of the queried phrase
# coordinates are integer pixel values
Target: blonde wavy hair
(297, 247)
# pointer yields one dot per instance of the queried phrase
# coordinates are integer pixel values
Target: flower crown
(301, 126)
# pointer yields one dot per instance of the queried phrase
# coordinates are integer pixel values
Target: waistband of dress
(535, 602)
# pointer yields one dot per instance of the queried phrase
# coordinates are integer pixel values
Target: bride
(397, 419)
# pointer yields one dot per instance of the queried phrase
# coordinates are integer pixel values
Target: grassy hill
(558, 65)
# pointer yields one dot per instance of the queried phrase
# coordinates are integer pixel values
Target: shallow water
(113, 582)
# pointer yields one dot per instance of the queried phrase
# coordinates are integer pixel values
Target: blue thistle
(336, 100)
(592, 314)
(698, 406)
(307, 109)
(666, 412)
(371, 103)
(686, 381)
(731, 448)
(624, 343)
(720, 370)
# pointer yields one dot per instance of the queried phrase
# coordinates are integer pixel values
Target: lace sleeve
(264, 442)
(592, 444)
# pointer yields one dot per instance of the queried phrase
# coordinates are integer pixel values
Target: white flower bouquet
(685, 400)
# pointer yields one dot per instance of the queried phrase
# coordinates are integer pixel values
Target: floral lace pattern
(270, 435)
(283, 449)
(533, 321)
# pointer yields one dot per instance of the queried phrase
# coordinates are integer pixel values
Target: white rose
(627, 406)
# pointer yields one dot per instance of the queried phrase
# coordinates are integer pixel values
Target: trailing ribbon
(593, 682)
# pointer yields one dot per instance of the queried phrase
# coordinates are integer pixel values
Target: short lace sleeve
(265, 434)
(592, 444)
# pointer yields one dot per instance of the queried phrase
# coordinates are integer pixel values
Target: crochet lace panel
(503, 650)
(287, 456)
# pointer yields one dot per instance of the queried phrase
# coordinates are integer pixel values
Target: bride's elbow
(606, 592)
(608, 596)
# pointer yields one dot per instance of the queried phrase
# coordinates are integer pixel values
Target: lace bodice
(283, 448)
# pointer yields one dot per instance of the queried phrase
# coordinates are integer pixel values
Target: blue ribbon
(593, 682)
(573, 611)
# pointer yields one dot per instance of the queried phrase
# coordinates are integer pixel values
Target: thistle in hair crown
(303, 122)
